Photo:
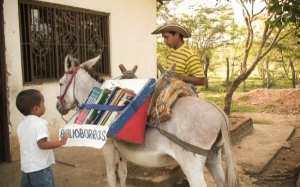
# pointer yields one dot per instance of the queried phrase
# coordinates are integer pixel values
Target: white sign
(135, 85)
(84, 135)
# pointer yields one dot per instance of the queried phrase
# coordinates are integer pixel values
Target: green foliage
(163, 51)
(218, 99)
(262, 121)
(217, 90)
(269, 32)
(279, 66)
(269, 107)
(244, 98)
(285, 11)
(207, 26)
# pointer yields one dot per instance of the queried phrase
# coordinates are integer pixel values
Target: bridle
(61, 97)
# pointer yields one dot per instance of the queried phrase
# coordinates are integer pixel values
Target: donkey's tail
(231, 171)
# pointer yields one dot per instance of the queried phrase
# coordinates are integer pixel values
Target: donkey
(195, 121)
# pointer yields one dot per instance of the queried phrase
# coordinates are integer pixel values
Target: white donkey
(197, 122)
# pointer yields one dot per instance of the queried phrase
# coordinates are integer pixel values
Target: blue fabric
(194, 89)
(101, 107)
(42, 178)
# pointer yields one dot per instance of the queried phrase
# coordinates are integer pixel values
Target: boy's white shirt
(33, 158)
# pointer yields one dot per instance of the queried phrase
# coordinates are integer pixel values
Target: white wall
(131, 22)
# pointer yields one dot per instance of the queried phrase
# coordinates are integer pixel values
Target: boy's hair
(174, 32)
(27, 99)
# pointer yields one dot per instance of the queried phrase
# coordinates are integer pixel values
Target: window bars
(49, 32)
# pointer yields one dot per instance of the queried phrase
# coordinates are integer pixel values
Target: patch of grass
(218, 99)
(238, 108)
(269, 107)
(217, 89)
(244, 98)
(262, 121)
(280, 101)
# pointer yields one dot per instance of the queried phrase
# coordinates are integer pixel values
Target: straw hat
(172, 26)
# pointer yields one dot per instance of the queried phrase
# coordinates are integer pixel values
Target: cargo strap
(186, 146)
(101, 107)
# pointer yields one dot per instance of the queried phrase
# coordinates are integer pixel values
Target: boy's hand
(64, 138)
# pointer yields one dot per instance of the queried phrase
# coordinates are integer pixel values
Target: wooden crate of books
(120, 104)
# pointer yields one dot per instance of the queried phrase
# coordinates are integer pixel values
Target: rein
(61, 97)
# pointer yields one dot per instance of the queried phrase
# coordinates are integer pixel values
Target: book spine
(107, 113)
(93, 112)
(100, 114)
(91, 99)
(124, 98)
(110, 114)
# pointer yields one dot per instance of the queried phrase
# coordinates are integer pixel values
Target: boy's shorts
(40, 178)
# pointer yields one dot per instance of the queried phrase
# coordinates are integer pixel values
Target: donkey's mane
(95, 75)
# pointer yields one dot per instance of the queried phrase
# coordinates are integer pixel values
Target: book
(124, 98)
(73, 118)
(94, 94)
(114, 101)
(107, 101)
(93, 112)
(123, 102)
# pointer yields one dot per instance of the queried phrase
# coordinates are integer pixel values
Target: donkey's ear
(90, 63)
(69, 63)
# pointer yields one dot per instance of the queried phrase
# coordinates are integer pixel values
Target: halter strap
(73, 72)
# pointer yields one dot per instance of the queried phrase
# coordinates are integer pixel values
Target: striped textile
(186, 60)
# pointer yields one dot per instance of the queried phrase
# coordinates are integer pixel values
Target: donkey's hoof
(183, 183)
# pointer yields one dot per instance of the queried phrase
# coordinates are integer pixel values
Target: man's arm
(190, 79)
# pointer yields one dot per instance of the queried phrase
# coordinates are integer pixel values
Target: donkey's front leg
(108, 151)
(122, 171)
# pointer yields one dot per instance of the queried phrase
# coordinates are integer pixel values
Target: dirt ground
(280, 107)
(78, 167)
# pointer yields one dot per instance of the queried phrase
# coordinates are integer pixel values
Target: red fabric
(134, 130)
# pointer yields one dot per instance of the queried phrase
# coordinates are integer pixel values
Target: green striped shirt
(187, 62)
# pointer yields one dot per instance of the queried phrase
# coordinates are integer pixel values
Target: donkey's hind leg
(214, 166)
(122, 171)
(193, 167)
(108, 151)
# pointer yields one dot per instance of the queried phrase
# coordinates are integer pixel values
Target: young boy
(34, 138)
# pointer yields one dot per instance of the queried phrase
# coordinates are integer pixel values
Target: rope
(126, 73)
(162, 112)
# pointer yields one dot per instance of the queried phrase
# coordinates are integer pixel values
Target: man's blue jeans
(42, 178)
(194, 89)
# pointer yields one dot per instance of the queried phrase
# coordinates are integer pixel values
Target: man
(188, 68)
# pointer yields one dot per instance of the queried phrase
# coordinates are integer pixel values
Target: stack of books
(117, 96)
(93, 97)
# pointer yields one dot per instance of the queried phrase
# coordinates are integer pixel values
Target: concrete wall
(131, 23)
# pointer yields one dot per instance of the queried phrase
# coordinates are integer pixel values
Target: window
(49, 32)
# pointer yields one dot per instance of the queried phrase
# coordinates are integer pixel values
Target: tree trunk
(270, 38)
(228, 97)
(268, 72)
(293, 73)
(232, 69)
(227, 72)
(205, 71)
